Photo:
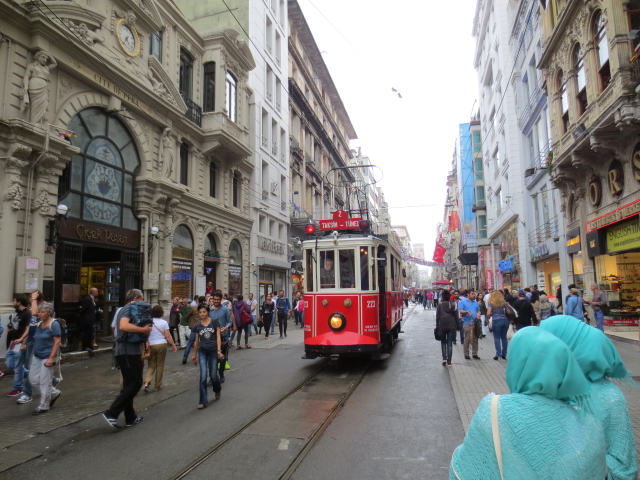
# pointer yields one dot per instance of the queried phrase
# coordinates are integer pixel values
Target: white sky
(425, 51)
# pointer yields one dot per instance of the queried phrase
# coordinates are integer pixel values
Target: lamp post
(54, 225)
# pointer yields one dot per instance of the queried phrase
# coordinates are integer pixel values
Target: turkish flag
(438, 254)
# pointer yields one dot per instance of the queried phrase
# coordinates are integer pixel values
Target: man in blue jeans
(598, 301)
(18, 330)
(470, 311)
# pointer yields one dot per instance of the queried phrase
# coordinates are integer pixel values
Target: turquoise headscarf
(593, 350)
(542, 364)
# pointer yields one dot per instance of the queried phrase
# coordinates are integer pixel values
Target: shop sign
(621, 322)
(625, 236)
(505, 265)
(270, 245)
(595, 191)
(488, 276)
(235, 271)
(556, 281)
(96, 233)
(573, 242)
(596, 243)
(617, 215)
(615, 176)
(542, 284)
(540, 250)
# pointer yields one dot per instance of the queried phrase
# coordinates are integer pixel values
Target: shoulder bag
(510, 312)
(495, 431)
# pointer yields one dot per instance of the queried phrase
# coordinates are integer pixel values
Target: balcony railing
(540, 161)
(531, 104)
(269, 48)
(265, 142)
(282, 157)
(278, 106)
(265, 194)
(194, 111)
(283, 206)
(274, 148)
(269, 96)
(544, 232)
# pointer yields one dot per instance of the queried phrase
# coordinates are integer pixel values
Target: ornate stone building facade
(590, 64)
(139, 126)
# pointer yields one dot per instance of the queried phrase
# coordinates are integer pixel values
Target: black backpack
(140, 316)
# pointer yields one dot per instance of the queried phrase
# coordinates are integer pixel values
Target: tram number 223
(371, 304)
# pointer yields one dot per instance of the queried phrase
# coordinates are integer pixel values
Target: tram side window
(392, 269)
(374, 285)
(347, 269)
(364, 268)
(327, 269)
(308, 271)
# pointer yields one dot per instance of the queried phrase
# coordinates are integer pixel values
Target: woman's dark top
(447, 315)
(268, 308)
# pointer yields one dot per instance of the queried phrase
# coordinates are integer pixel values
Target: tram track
(308, 443)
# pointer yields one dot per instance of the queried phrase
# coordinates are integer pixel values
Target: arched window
(210, 247)
(602, 49)
(211, 260)
(209, 104)
(235, 268)
(186, 73)
(581, 80)
(232, 99)
(564, 101)
(98, 184)
(181, 262)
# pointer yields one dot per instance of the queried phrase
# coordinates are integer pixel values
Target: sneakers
(136, 421)
(280, 337)
(444, 362)
(40, 411)
(184, 360)
(448, 364)
(111, 421)
(201, 406)
(24, 399)
(14, 393)
(495, 358)
(54, 398)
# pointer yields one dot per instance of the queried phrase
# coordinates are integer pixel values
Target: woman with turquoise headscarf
(542, 435)
(599, 361)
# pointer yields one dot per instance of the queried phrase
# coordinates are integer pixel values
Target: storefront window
(182, 262)
(619, 277)
(235, 268)
(98, 184)
(578, 271)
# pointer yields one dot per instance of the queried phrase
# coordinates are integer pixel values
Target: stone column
(13, 198)
(41, 206)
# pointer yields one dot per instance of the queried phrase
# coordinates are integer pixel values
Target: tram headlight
(337, 322)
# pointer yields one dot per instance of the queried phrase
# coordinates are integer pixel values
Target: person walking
(253, 304)
(207, 350)
(510, 299)
(18, 331)
(447, 320)
(545, 307)
(296, 314)
(88, 319)
(238, 307)
(600, 363)
(455, 297)
(189, 318)
(300, 308)
(282, 307)
(499, 323)
(437, 295)
(221, 314)
(174, 321)
(129, 358)
(598, 301)
(46, 344)
(534, 300)
(268, 309)
(470, 311)
(526, 315)
(573, 305)
(428, 299)
(543, 428)
(158, 340)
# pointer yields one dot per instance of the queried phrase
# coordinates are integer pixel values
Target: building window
(98, 184)
(261, 221)
(184, 164)
(232, 99)
(581, 80)
(235, 268)
(213, 180)
(182, 262)
(186, 73)
(209, 103)
(602, 50)
(235, 190)
(155, 45)
(480, 200)
(477, 143)
(564, 102)
(479, 169)
(482, 226)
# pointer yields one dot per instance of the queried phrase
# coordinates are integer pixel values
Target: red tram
(353, 294)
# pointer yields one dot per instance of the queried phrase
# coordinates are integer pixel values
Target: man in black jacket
(525, 311)
(508, 297)
(88, 319)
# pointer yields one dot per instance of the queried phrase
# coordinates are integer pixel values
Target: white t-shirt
(115, 318)
(251, 304)
(156, 338)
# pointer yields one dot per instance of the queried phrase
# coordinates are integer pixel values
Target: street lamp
(54, 225)
(153, 233)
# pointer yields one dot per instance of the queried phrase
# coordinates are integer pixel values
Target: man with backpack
(242, 316)
(132, 332)
(283, 305)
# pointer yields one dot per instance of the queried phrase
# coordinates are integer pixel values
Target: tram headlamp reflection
(337, 322)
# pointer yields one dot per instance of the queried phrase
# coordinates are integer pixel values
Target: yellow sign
(574, 241)
(624, 236)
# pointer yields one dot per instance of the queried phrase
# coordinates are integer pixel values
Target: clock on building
(128, 38)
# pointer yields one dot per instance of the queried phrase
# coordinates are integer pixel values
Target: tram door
(382, 289)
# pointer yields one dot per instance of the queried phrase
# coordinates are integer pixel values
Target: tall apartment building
(320, 132)
(592, 68)
(501, 142)
(263, 25)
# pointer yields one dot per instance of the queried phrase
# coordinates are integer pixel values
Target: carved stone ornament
(87, 36)
(160, 90)
(230, 64)
(167, 146)
(160, 203)
(35, 92)
(14, 195)
(41, 204)
(171, 207)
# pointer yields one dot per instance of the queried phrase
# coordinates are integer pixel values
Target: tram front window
(347, 269)
(327, 270)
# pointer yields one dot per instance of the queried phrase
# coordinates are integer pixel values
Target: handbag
(495, 431)
(437, 333)
(146, 353)
(477, 329)
(510, 312)
(605, 309)
(511, 332)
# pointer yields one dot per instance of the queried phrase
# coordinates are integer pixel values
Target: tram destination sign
(340, 221)
(95, 233)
